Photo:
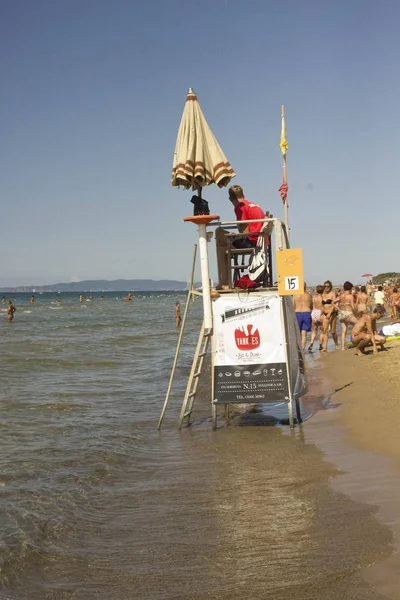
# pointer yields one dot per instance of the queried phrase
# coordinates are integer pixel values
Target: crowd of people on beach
(357, 307)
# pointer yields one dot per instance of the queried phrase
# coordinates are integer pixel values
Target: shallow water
(96, 503)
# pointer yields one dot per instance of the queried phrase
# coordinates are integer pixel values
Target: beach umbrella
(198, 158)
(367, 275)
(199, 161)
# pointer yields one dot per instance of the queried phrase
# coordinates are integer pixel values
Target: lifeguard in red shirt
(244, 211)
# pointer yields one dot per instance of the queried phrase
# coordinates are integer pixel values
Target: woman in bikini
(363, 303)
(316, 318)
(347, 308)
(329, 315)
(394, 306)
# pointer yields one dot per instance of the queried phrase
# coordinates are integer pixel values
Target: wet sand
(368, 389)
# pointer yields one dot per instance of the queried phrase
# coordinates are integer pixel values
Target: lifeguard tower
(256, 354)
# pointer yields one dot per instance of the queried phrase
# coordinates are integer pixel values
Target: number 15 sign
(289, 265)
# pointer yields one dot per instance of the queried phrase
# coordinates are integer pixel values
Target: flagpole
(285, 181)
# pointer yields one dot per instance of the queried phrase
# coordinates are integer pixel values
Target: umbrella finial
(191, 91)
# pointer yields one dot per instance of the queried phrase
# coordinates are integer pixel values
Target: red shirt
(245, 211)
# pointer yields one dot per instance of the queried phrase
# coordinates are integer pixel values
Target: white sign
(249, 350)
(292, 284)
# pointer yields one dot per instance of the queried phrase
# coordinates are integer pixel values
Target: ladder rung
(197, 374)
(191, 395)
(202, 354)
(187, 414)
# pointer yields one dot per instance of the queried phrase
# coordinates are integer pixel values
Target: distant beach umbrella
(198, 158)
(367, 275)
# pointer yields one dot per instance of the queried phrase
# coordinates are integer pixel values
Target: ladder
(195, 372)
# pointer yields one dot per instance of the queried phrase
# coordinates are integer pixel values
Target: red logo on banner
(247, 340)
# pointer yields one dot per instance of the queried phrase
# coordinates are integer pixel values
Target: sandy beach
(368, 390)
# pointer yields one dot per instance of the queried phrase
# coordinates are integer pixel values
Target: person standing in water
(3, 300)
(347, 309)
(10, 311)
(178, 318)
(32, 300)
(363, 304)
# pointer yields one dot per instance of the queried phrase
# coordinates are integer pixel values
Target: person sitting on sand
(303, 305)
(10, 311)
(316, 318)
(364, 331)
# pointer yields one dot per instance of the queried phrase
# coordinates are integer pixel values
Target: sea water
(95, 503)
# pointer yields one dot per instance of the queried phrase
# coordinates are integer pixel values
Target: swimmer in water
(10, 311)
(82, 298)
(178, 318)
(32, 300)
(101, 297)
(129, 297)
(57, 301)
(90, 297)
(3, 300)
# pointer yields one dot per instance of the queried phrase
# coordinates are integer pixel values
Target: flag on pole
(283, 190)
(283, 143)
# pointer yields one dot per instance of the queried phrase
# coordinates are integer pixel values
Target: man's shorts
(304, 321)
(243, 242)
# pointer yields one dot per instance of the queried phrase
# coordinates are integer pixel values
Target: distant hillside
(103, 285)
(382, 277)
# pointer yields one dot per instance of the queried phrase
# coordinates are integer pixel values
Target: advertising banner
(249, 349)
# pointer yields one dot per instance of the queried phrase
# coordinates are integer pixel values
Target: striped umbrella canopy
(198, 158)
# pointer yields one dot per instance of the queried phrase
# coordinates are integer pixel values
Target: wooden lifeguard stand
(256, 354)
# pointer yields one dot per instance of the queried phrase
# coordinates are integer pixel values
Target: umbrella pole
(205, 273)
(205, 277)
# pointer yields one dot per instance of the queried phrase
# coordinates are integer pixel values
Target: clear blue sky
(91, 96)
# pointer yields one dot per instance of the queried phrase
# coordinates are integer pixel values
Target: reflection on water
(96, 503)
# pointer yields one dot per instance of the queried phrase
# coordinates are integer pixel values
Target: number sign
(289, 264)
